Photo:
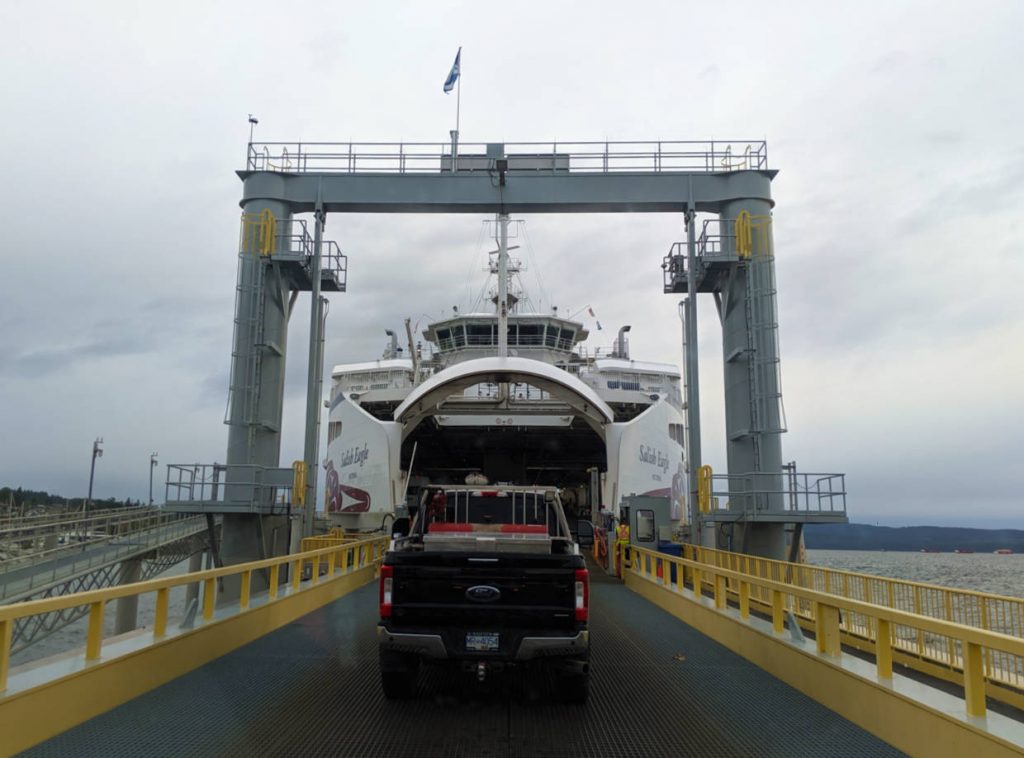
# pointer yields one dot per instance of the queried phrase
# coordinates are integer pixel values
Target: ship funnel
(621, 346)
(393, 351)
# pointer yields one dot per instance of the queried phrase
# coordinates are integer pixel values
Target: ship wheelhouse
(545, 338)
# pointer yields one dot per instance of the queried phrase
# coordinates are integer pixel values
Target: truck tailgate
(519, 590)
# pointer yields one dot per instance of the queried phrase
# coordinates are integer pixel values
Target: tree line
(18, 497)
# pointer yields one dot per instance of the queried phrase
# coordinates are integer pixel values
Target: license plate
(479, 641)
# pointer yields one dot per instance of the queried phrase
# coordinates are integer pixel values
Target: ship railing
(763, 493)
(609, 351)
(474, 340)
(517, 390)
(699, 156)
(220, 487)
(927, 649)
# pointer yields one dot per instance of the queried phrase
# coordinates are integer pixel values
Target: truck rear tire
(398, 674)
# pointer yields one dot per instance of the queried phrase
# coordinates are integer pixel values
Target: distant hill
(945, 539)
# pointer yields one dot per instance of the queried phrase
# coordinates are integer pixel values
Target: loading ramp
(659, 688)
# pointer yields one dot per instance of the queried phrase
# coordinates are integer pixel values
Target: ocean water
(984, 572)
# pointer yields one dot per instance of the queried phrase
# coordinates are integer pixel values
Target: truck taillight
(582, 594)
(387, 583)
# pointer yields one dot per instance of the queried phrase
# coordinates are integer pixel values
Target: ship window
(333, 431)
(630, 382)
(565, 339)
(513, 334)
(444, 339)
(480, 334)
(458, 336)
(551, 340)
(531, 334)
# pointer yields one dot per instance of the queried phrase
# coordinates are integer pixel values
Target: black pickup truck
(485, 579)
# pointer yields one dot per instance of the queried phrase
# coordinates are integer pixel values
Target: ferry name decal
(653, 457)
(355, 456)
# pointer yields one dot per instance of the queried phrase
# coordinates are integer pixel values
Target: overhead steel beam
(482, 192)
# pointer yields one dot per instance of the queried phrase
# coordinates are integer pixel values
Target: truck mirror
(401, 527)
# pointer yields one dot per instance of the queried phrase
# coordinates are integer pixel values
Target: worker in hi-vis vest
(622, 539)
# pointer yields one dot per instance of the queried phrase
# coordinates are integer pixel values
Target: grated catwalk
(312, 688)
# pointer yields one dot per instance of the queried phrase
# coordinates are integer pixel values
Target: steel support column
(692, 368)
(749, 448)
(127, 613)
(257, 388)
(195, 563)
(314, 402)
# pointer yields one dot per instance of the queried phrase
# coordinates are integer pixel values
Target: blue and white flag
(453, 75)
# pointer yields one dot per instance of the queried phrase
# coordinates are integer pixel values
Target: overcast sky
(896, 127)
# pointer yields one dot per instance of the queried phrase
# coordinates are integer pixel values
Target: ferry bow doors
(555, 436)
(513, 419)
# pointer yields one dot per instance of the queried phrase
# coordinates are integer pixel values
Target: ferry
(504, 394)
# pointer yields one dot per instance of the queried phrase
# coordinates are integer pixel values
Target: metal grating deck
(312, 688)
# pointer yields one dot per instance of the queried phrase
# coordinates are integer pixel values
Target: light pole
(152, 465)
(97, 452)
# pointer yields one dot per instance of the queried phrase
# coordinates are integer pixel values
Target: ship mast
(502, 285)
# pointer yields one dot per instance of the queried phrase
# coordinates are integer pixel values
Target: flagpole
(457, 71)
(458, 109)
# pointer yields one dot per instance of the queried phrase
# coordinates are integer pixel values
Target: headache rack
(497, 520)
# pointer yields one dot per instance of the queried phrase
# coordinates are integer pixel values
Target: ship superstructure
(510, 395)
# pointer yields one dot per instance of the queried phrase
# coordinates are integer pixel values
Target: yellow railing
(970, 645)
(259, 233)
(324, 562)
(319, 543)
(927, 631)
(748, 243)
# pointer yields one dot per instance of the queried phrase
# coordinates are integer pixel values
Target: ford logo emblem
(483, 593)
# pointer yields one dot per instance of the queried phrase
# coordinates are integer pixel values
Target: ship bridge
(544, 337)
